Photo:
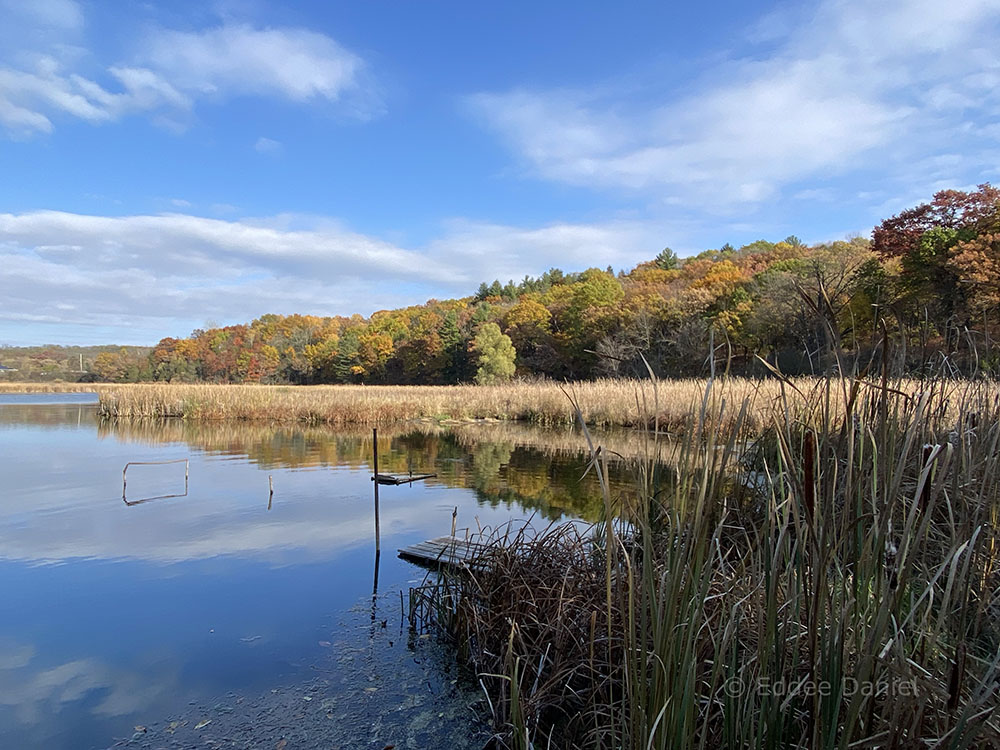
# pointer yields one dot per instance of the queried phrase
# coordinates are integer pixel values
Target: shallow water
(141, 620)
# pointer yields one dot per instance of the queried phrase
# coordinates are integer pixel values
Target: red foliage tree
(978, 212)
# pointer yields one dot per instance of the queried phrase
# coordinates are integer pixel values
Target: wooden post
(454, 520)
(378, 541)
(270, 494)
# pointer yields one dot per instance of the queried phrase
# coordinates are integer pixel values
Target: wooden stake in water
(378, 541)
(270, 495)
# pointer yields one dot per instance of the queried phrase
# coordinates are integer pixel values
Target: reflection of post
(372, 629)
(187, 473)
(378, 541)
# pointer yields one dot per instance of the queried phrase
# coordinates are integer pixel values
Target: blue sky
(171, 165)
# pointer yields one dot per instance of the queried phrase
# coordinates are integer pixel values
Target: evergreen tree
(667, 260)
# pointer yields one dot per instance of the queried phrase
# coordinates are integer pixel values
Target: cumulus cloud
(851, 82)
(145, 277)
(152, 270)
(170, 71)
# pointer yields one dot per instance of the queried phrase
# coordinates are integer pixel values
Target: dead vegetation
(827, 581)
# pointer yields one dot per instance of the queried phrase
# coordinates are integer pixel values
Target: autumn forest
(925, 288)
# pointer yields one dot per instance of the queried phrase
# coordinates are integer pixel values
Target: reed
(828, 580)
(601, 403)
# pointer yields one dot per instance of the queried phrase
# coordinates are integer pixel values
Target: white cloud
(852, 84)
(25, 93)
(267, 146)
(296, 64)
(504, 252)
(171, 71)
(158, 275)
(149, 272)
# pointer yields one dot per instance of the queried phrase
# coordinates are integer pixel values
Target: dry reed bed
(602, 402)
(606, 402)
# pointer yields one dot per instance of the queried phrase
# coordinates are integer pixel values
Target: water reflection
(14, 415)
(506, 464)
(118, 616)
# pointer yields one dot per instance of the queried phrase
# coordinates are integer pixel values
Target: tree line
(54, 362)
(922, 292)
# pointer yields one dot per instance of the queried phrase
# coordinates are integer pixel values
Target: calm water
(151, 618)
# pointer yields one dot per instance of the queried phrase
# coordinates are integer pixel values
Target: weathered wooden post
(378, 541)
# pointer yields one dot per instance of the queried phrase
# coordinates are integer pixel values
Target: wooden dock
(444, 551)
(400, 478)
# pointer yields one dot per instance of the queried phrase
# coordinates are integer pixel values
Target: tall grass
(604, 402)
(600, 403)
(826, 580)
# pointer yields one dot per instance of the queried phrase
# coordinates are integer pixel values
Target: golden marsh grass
(603, 403)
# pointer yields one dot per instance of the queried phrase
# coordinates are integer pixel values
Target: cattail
(957, 676)
(809, 471)
(925, 494)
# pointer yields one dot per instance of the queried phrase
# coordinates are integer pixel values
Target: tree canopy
(495, 355)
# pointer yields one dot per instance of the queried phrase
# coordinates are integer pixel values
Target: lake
(216, 612)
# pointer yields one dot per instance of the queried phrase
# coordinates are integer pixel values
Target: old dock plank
(443, 551)
(401, 478)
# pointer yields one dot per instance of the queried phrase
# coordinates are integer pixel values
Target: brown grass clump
(539, 594)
